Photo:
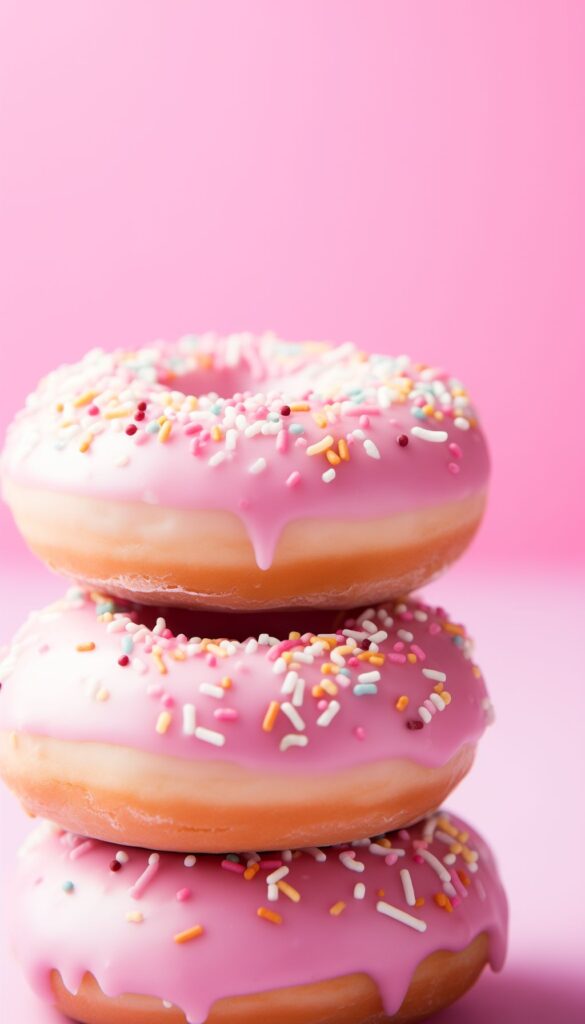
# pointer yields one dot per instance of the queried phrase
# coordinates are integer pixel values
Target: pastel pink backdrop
(408, 175)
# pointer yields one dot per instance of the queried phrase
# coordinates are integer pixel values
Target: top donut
(247, 472)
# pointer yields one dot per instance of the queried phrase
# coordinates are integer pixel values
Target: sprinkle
(271, 716)
(165, 431)
(429, 435)
(190, 933)
(293, 716)
(231, 865)
(408, 887)
(425, 715)
(88, 646)
(293, 479)
(189, 719)
(293, 739)
(258, 466)
(359, 891)
(137, 890)
(369, 677)
(343, 449)
(68, 886)
(337, 908)
(122, 857)
(190, 860)
(276, 876)
(402, 440)
(212, 691)
(402, 703)
(217, 739)
(251, 871)
(134, 917)
(163, 722)
(327, 716)
(269, 915)
(290, 891)
(183, 895)
(461, 423)
(435, 864)
(401, 915)
(433, 673)
(371, 449)
(363, 689)
(328, 476)
(348, 860)
(321, 446)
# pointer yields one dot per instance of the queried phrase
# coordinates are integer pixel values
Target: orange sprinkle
(289, 890)
(251, 872)
(317, 691)
(443, 901)
(377, 659)
(86, 443)
(401, 703)
(411, 658)
(163, 721)
(165, 431)
(420, 901)
(343, 449)
(329, 687)
(446, 696)
(450, 627)
(226, 683)
(88, 646)
(59, 407)
(178, 654)
(476, 671)
(328, 668)
(269, 915)
(380, 894)
(189, 933)
(464, 878)
(300, 407)
(332, 457)
(337, 908)
(271, 716)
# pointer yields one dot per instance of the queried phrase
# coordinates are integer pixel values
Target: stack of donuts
(238, 725)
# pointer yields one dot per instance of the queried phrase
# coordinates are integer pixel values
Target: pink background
(407, 175)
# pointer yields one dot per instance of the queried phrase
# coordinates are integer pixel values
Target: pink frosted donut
(172, 741)
(392, 928)
(247, 472)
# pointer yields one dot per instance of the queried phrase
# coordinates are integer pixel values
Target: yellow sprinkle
(116, 414)
(163, 721)
(300, 407)
(401, 703)
(294, 634)
(333, 457)
(84, 399)
(411, 658)
(445, 825)
(337, 908)
(178, 654)
(377, 659)
(343, 449)
(88, 646)
(217, 433)
(269, 915)
(102, 694)
(439, 415)
(270, 716)
(446, 696)
(165, 431)
(321, 446)
(189, 933)
(289, 891)
(134, 916)
(320, 419)
(86, 443)
(476, 671)
(329, 687)
(251, 872)
(328, 668)
(59, 407)
(158, 660)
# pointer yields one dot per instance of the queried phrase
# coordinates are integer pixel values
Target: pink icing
(243, 453)
(71, 915)
(83, 670)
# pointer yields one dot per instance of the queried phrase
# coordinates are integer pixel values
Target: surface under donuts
(134, 733)
(327, 477)
(389, 929)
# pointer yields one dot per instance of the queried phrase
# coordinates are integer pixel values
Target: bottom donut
(389, 929)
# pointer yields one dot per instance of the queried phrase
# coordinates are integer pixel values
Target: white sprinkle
(435, 675)
(429, 435)
(351, 863)
(420, 616)
(461, 423)
(438, 701)
(189, 719)
(290, 681)
(327, 716)
(369, 677)
(408, 887)
(401, 915)
(293, 716)
(190, 860)
(122, 857)
(436, 865)
(319, 855)
(405, 635)
(231, 438)
(328, 476)
(210, 690)
(367, 623)
(299, 694)
(217, 739)
(379, 637)
(277, 875)
(425, 714)
(293, 739)
(272, 893)
(251, 647)
(379, 851)
(217, 458)
(359, 891)
(280, 666)
(371, 449)
(258, 466)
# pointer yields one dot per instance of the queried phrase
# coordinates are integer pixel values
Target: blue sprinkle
(418, 413)
(104, 607)
(233, 857)
(153, 427)
(296, 428)
(127, 644)
(361, 689)
(68, 887)
(458, 641)
(344, 671)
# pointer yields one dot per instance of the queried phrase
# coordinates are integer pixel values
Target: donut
(122, 728)
(245, 472)
(391, 928)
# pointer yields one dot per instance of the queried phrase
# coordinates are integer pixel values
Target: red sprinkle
(115, 865)
(402, 440)
(285, 410)
(93, 410)
(142, 406)
(131, 429)
(414, 724)
(124, 660)
(139, 416)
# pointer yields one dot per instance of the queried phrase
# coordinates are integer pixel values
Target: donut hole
(222, 382)
(242, 625)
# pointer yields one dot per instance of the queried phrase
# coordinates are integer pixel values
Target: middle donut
(123, 726)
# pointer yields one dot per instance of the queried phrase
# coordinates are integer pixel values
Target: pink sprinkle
(398, 646)
(244, 503)
(168, 701)
(418, 651)
(407, 615)
(428, 704)
(390, 859)
(359, 732)
(141, 438)
(455, 901)
(270, 865)
(140, 885)
(453, 468)
(211, 660)
(418, 859)
(293, 479)
(78, 851)
(93, 410)
(282, 441)
(420, 844)
(195, 447)
(226, 714)
(183, 894)
(434, 628)
(458, 884)
(404, 834)
(301, 442)
(193, 428)
(398, 659)
(322, 705)
(275, 652)
(455, 450)
(43, 649)
(364, 421)
(420, 401)
(352, 662)
(155, 690)
(231, 865)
